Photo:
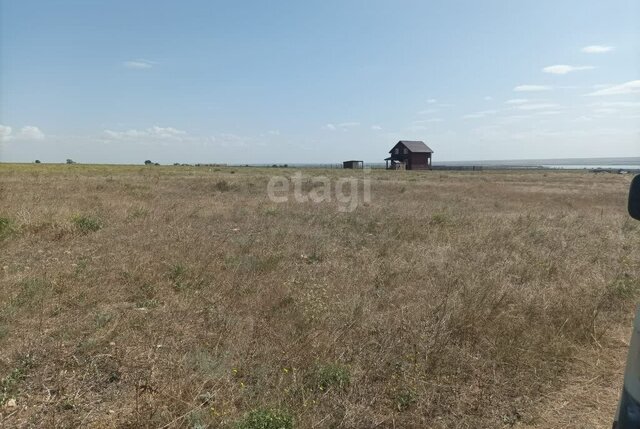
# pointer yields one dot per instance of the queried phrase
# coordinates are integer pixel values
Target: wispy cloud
(564, 69)
(549, 112)
(427, 121)
(153, 132)
(531, 88)
(597, 49)
(537, 106)
(631, 87)
(625, 104)
(376, 128)
(343, 126)
(480, 114)
(138, 64)
(517, 101)
(26, 133)
(605, 111)
(488, 98)
(432, 101)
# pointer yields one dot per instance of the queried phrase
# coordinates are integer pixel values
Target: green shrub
(331, 376)
(177, 276)
(177, 271)
(102, 319)
(266, 418)
(32, 293)
(439, 219)
(404, 400)
(87, 224)
(222, 186)
(6, 227)
(9, 384)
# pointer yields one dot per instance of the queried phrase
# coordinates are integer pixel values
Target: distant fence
(382, 166)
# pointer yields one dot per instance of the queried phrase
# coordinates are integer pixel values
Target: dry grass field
(179, 297)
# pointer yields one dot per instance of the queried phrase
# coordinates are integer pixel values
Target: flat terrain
(182, 297)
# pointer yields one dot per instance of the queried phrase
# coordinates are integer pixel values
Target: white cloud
(564, 69)
(596, 49)
(376, 128)
(138, 64)
(517, 101)
(605, 111)
(154, 132)
(531, 88)
(514, 118)
(5, 133)
(631, 87)
(549, 112)
(427, 121)
(427, 111)
(481, 114)
(488, 98)
(30, 133)
(26, 133)
(342, 126)
(432, 101)
(229, 139)
(273, 132)
(629, 104)
(537, 106)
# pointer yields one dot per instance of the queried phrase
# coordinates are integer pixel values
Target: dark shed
(353, 164)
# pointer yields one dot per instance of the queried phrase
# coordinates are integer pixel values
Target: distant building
(353, 164)
(409, 155)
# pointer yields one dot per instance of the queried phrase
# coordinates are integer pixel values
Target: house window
(406, 151)
(396, 151)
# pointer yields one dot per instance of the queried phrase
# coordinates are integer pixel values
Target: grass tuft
(331, 376)
(86, 224)
(266, 418)
(6, 227)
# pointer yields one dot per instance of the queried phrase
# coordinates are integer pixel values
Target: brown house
(409, 155)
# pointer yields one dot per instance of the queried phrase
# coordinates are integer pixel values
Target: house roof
(414, 146)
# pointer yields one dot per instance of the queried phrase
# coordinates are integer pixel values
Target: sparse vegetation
(86, 224)
(266, 419)
(222, 186)
(468, 300)
(331, 376)
(6, 227)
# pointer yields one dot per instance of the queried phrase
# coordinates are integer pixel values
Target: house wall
(418, 161)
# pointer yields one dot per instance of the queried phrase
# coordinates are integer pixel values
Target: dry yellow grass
(183, 298)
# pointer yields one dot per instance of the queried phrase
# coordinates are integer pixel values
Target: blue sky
(305, 81)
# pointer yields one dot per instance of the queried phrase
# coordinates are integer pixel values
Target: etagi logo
(319, 189)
